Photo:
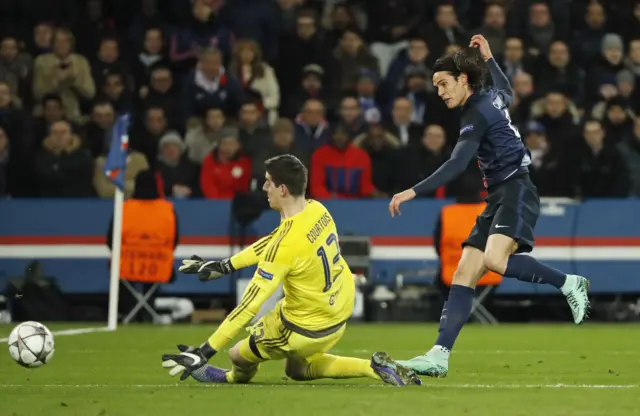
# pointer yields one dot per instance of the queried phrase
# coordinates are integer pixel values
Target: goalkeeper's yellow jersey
(319, 289)
(303, 253)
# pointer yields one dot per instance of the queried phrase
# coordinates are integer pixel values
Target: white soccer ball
(31, 344)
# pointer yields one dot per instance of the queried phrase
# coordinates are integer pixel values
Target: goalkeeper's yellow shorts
(274, 338)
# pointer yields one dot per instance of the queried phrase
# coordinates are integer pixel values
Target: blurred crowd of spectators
(214, 87)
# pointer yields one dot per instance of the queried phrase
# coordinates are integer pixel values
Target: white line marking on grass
(428, 385)
(498, 352)
(76, 331)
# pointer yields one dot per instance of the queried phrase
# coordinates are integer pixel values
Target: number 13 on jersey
(331, 271)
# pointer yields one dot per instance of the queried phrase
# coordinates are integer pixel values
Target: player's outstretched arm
(462, 154)
(251, 255)
(500, 80)
(450, 170)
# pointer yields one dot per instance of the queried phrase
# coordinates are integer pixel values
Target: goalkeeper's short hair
(288, 170)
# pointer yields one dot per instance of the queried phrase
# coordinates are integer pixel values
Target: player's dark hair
(288, 170)
(467, 61)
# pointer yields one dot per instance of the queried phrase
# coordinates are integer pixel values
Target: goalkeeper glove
(206, 270)
(189, 360)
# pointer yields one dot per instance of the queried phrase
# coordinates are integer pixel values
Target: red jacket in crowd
(221, 180)
(340, 173)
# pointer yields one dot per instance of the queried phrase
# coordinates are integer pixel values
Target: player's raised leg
(455, 313)
(499, 258)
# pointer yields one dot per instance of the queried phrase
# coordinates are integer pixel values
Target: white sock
(568, 285)
(439, 351)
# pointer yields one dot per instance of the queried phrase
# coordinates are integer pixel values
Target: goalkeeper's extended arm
(251, 255)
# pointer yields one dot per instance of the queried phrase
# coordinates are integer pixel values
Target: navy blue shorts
(513, 208)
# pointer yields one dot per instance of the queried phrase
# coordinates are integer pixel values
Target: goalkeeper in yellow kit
(319, 290)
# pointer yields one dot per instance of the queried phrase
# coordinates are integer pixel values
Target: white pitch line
(498, 352)
(76, 331)
(288, 386)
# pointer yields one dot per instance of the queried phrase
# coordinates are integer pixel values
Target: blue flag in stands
(117, 157)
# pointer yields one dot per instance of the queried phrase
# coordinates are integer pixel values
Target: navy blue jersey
(486, 132)
(485, 119)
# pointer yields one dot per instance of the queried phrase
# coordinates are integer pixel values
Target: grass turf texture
(509, 370)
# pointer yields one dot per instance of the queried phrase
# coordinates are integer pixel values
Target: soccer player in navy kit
(513, 206)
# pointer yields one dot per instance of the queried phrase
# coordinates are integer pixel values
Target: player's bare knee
(495, 260)
(295, 371)
(462, 277)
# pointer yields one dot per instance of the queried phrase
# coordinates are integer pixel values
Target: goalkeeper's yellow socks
(241, 375)
(333, 366)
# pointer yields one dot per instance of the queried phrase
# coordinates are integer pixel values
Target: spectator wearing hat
(255, 74)
(226, 171)
(312, 129)
(353, 57)
(341, 170)
(283, 142)
(203, 137)
(610, 63)
(630, 150)
(311, 87)
(177, 175)
(628, 89)
(618, 120)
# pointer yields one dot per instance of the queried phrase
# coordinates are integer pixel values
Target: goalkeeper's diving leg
(246, 358)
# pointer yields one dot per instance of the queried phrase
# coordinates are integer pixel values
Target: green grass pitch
(502, 370)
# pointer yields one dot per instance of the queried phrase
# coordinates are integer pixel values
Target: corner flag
(117, 157)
